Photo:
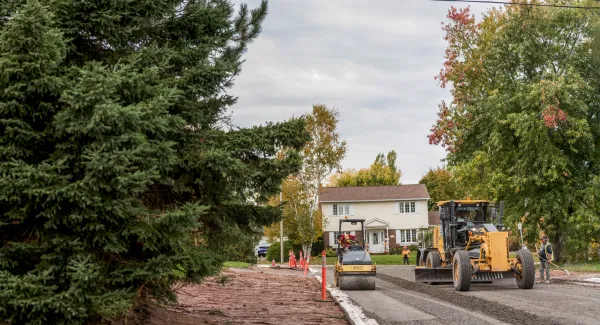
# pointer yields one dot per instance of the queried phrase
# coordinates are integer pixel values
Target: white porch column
(387, 240)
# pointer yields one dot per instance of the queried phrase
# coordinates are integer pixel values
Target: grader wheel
(433, 261)
(461, 271)
(526, 266)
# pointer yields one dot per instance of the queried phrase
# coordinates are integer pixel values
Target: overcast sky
(372, 60)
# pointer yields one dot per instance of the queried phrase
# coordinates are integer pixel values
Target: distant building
(393, 213)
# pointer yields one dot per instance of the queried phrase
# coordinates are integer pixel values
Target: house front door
(376, 241)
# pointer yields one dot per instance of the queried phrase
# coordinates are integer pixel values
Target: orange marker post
(323, 276)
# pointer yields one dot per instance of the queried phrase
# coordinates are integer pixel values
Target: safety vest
(405, 252)
(545, 250)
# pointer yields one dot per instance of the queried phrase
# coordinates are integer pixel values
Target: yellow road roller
(354, 269)
(471, 245)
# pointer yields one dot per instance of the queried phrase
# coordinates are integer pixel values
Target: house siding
(386, 211)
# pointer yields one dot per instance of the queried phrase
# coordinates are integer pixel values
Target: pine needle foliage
(118, 160)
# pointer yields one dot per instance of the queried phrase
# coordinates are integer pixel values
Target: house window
(407, 207)
(336, 234)
(342, 210)
(408, 235)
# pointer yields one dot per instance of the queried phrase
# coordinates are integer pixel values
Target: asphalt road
(399, 301)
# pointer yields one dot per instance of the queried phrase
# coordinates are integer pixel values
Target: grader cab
(471, 245)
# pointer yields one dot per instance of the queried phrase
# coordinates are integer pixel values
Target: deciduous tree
(442, 186)
(303, 223)
(383, 171)
(523, 125)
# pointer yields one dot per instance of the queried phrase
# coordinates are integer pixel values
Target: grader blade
(433, 275)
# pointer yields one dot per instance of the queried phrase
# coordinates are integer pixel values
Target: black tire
(433, 261)
(526, 265)
(461, 271)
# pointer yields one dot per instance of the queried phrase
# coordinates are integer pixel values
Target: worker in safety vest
(406, 254)
(545, 254)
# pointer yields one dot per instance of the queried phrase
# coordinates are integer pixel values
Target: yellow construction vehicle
(471, 245)
(354, 269)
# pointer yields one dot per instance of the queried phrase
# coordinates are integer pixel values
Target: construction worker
(406, 254)
(545, 255)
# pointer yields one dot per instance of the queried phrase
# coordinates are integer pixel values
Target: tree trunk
(586, 250)
(306, 248)
(557, 246)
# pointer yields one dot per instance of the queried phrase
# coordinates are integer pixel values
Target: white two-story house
(393, 214)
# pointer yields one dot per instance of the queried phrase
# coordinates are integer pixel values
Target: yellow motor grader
(471, 245)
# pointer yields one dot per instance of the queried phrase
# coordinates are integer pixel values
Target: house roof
(434, 218)
(373, 193)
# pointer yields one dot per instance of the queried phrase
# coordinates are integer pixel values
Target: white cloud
(374, 61)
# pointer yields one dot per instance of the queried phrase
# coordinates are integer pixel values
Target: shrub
(273, 251)
(317, 247)
(330, 252)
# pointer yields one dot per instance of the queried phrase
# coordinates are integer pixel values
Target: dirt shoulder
(251, 296)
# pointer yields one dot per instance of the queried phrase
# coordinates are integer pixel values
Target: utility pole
(281, 227)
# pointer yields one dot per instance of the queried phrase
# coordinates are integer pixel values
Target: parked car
(261, 251)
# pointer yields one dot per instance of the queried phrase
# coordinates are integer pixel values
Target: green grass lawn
(576, 267)
(239, 265)
(393, 259)
(583, 267)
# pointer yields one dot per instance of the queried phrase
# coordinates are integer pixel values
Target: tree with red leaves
(524, 121)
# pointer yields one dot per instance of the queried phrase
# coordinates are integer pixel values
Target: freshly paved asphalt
(396, 301)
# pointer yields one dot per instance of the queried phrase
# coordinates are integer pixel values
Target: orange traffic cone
(273, 263)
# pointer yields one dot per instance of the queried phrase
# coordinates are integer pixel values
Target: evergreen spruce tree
(118, 163)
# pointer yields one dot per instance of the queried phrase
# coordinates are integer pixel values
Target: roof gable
(373, 193)
(376, 222)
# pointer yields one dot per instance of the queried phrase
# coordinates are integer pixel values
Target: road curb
(353, 312)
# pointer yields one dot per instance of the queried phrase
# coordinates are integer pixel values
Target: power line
(521, 4)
